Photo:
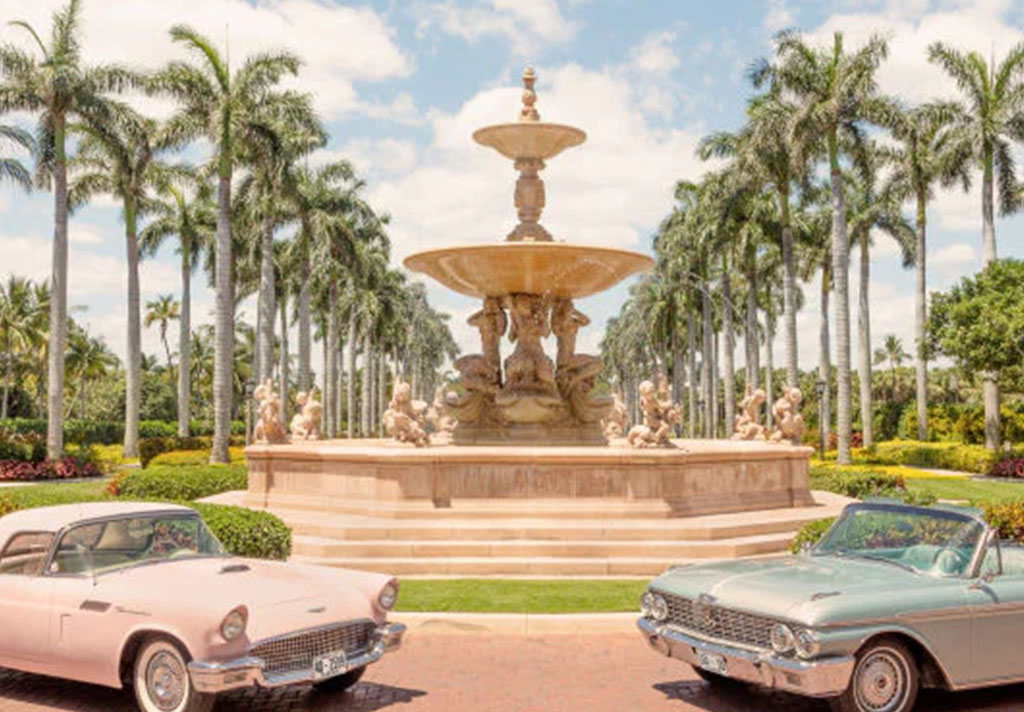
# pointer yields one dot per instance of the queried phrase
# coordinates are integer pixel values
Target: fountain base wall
(379, 478)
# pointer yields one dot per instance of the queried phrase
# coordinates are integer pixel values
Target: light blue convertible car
(893, 597)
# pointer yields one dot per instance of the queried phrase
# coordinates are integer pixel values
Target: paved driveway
(477, 672)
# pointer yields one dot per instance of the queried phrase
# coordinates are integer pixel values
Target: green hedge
(864, 483)
(810, 534)
(110, 433)
(940, 456)
(181, 483)
(150, 448)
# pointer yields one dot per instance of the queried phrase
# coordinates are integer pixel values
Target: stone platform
(520, 511)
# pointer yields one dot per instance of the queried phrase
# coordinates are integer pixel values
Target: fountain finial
(529, 112)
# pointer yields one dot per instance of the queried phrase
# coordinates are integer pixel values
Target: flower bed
(66, 468)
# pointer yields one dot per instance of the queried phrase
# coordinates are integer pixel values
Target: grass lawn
(520, 596)
(964, 488)
(51, 493)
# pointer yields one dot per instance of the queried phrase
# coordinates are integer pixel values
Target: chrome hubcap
(881, 684)
(165, 681)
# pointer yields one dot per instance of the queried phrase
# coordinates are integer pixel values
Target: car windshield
(930, 541)
(109, 545)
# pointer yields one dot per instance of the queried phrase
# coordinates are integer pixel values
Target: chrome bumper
(213, 677)
(827, 677)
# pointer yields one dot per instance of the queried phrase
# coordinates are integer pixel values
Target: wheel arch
(930, 669)
(134, 642)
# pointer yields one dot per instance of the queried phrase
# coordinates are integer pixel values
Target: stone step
(508, 566)
(717, 528)
(665, 550)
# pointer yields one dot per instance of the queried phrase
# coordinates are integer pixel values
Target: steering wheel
(952, 560)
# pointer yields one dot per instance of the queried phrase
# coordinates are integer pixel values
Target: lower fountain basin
(550, 268)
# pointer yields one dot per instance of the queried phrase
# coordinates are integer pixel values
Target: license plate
(330, 665)
(711, 662)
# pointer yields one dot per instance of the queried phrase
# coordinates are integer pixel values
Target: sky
(402, 84)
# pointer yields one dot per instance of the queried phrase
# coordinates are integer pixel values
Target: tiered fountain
(494, 502)
(535, 279)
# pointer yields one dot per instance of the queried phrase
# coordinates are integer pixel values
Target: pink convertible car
(144, 594)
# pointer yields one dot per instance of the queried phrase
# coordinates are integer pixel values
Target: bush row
(150, 448)
(178, 483)
(940, 456)
(108, 433)
(864, 483)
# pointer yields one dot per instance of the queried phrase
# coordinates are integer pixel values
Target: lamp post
(819, 389)
(250, 387)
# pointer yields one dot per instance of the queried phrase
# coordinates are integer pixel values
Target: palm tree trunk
(920, 319)
(267, 307)
(716, 404)
(8, 359)
(707, 369)
(353, 334)
(677, 371)
(841, 277)
(224, 325)
(341, 406)
(691, 356)
(305, 297)
(729, 375)
(331, 366)
(382, 392)
(789, 291)
(133, 366)
(367, 390)
(824, 355)
(864, 341)
(284, 356)
(58, 299)
(750, 337)
(185, 347)
(989, 386)
(769, 371)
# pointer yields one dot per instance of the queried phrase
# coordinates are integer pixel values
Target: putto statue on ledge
(403, 420)
(269, 428)
(659, 418)
(789, 422)
(437, 416)
(747, 426)
(616, 424)
(305, 424)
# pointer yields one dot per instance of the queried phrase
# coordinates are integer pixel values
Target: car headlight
(659, 608)
(233, 625)
(647, 603)
(388, 595)
(783, 640)
(807, 645)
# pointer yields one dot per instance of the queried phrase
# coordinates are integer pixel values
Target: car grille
(295, 653)
(718, 622)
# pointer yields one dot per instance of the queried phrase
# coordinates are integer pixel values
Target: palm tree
(920, 160)
(227, 109)
(893, 353)
(183, 208)
(162, 311)
(117, 157)
(993, 119)
(20, 328)
(88, 360)
(870, 211)
(764, 150)
(55, 85)
(836, 91)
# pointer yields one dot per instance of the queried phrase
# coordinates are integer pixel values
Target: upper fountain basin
(556, 269)
(529, 139)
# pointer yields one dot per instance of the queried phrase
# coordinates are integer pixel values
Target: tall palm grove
(260, 215)
(823, 164)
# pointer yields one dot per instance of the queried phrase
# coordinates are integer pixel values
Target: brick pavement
(483, 673)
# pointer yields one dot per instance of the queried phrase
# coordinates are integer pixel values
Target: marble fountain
(528, 484)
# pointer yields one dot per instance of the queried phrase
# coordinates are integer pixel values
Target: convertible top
(52, 519)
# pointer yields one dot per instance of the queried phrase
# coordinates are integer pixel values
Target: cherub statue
(659, 417)
(436, 414)
(269, 428)
(529, 369)
(403, 420)
(747, 426)
(306, 423)
(789, 422)
(617, 422)
(480, 374)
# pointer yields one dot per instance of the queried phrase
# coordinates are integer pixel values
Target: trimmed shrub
(1010, 467)
(181, 483)
(940, 456)
(1007, 517)
(246, 532)
(810, 533)
(865, 483)
(110, 433)
(64, 469)
(6, 505)
(194, 458)
(150, 448)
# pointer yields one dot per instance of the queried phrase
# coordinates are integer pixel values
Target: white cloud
(956, 255)
(340, 44)
(383, 157)
(526, 24)
(655, 55)
(778, 17)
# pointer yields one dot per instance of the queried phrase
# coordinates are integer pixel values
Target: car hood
(279, 597)
(809, 589)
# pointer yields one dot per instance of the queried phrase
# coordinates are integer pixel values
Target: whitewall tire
(161, 679)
